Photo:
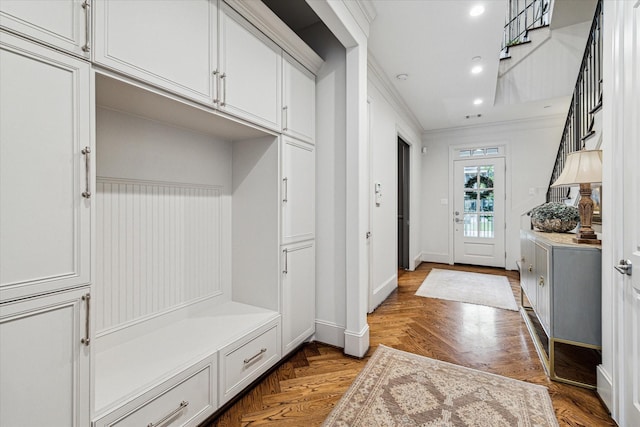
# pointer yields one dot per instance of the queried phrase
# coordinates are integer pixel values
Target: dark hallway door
(403, 204)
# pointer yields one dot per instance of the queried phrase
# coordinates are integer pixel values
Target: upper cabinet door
(64, 24)
(45, 125)
(169, 43)
(299, 103)
(298, 190)
(250, 71)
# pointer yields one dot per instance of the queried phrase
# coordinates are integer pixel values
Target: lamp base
(590, 241)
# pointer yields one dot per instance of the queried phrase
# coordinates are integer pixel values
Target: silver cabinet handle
(624, 267)
(216, 86)
(255, 356)
(285, 198)
(180, 407)
(87, 20)
(86, 340)
(87, 161)
(285, 125)
(223, 77)
(285, 270)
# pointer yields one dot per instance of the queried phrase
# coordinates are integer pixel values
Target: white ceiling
(434, 41)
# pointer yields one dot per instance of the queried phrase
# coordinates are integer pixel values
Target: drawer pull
(255, 356)
(183, 405)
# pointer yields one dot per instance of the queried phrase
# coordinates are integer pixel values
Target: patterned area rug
(472, 288)
(397, 388)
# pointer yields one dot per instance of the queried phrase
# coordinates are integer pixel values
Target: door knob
(624, 267)
(458, 220)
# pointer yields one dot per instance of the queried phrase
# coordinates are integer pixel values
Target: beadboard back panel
(159, 246)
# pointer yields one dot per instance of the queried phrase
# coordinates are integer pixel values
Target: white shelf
(128, 369)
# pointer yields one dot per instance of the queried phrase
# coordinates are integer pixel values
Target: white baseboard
(383, 291)
(416, 261)
(357, 343)
(329, 333)
(434, 257)
(605, 387)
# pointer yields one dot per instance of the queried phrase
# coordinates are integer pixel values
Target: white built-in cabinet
(157, 209)
(201, 49)
(46, 191)
(298, 294)
(63, 24)
(45, 360)
(298, 239)
(171, 44)
(298, 103)
(250, 71)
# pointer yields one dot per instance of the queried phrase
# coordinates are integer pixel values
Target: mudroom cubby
(187, 285)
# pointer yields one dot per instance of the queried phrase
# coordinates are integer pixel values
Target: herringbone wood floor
(303, 390)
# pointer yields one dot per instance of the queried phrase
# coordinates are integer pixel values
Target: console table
(560, 285)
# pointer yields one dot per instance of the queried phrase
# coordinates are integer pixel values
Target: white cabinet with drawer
(185, 400)
(245, 360)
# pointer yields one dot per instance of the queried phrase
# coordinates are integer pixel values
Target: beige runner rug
(472, 288)
(397, 388)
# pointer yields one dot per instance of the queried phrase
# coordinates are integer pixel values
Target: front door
(479, 192)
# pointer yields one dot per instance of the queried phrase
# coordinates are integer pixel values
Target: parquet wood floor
(303, 390)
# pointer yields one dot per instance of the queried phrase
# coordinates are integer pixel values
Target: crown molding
(363, 11)
(380, 80)
(495, 128)
(259, 15)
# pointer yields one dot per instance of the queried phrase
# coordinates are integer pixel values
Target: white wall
(387, 122)
(330, 186)
(531, 148)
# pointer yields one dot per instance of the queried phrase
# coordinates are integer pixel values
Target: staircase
(542, 49)
(583, 127)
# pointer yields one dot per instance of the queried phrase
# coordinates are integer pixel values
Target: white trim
(329, 333)
(417, 261)
(379, 79)
(382, 292)
(605, 387)
(358, 341)
(543, 122)
(434, 257)
(363, 12)
(258, 14)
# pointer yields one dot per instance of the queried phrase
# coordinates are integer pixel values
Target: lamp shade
(582, 167)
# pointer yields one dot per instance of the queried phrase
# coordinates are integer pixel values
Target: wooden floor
(306, 387)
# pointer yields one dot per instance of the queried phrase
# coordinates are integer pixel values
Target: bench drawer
(183, 401)
(245, 360)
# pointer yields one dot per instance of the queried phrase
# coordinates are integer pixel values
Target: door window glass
(479, 201)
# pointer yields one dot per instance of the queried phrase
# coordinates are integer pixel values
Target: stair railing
(523, 15)
(586, 101)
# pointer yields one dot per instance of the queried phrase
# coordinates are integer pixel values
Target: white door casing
(630, 195)
(621, 156)
(479, 222)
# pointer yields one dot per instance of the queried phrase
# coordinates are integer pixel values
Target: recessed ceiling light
(476, 10)
(477, 69)
(402, 76)
(477, 101)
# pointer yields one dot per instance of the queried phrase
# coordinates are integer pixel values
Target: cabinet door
(44, 365)
(543, 304)
(299, 101)
(298, 190)
(169, 43)
(528, 270)
(64, 24)
(45, 124)
(298, 294)
(250, 71)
